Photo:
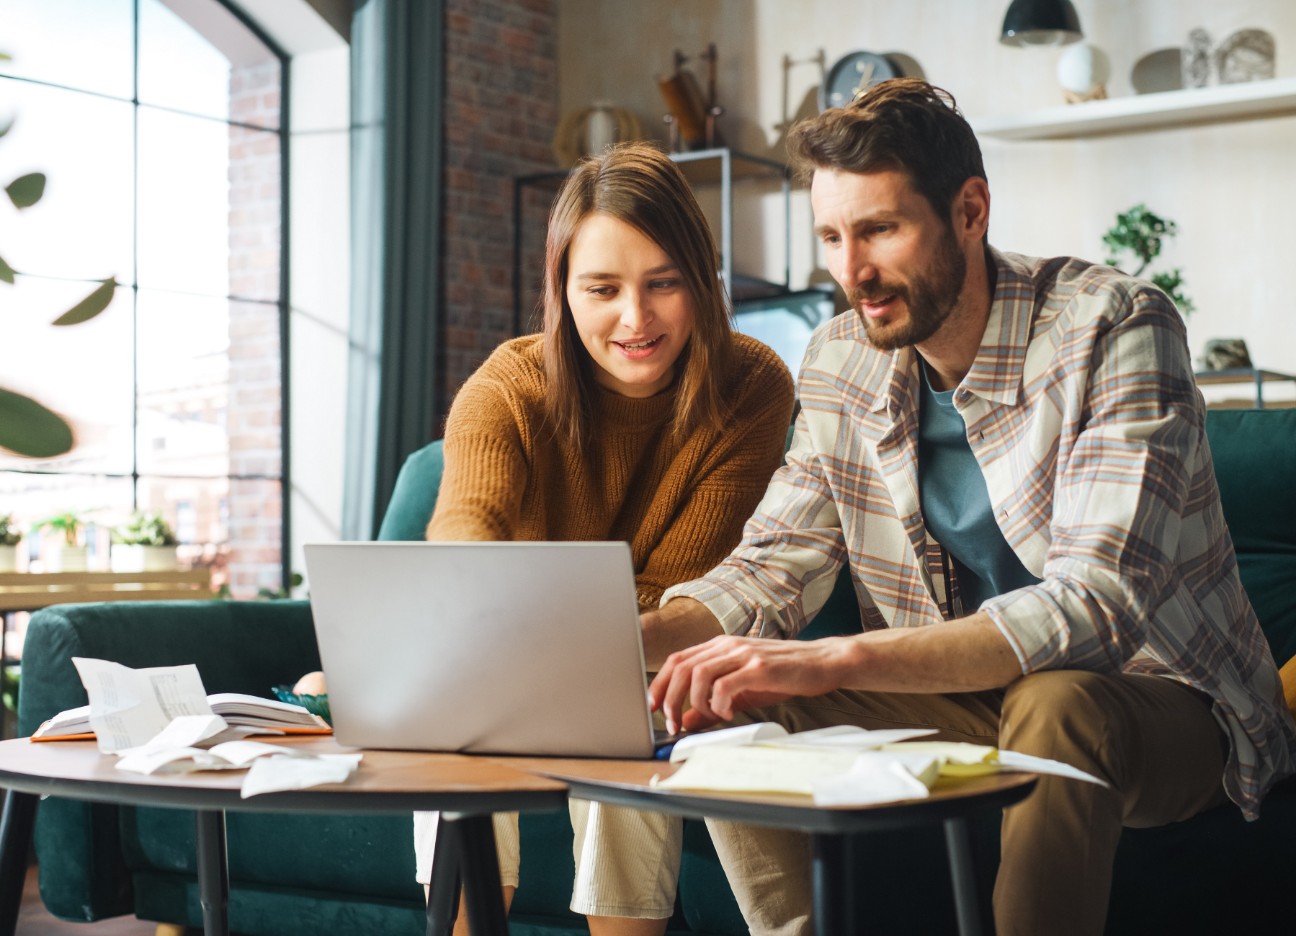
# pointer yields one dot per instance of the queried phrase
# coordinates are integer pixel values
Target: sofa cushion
(1255, 462)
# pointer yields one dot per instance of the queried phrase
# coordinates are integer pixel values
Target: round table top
(385, 782)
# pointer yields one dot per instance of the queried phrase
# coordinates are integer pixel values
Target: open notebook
(506, 648)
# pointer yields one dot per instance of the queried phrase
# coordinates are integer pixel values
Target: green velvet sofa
(353, 875)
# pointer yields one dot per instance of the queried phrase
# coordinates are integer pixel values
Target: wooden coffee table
(836, 911)
(466, 790)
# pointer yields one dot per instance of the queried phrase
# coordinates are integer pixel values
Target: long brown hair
(640, 185)
(904, 124)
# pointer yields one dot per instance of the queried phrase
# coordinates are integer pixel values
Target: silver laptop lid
(506, 648)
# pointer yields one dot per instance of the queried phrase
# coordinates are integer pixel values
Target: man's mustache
(872, 292)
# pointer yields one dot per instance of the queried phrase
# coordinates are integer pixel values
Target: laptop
(493, 648)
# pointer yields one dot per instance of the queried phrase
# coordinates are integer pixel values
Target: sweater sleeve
(485, 463)
(731, 480)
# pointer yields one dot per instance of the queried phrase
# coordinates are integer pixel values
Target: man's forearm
(680, 623)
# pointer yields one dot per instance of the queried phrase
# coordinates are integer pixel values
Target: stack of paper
(839, 766)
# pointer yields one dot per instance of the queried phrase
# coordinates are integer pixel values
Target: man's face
(900, 264)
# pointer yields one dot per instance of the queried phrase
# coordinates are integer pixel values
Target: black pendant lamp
(1040, 23)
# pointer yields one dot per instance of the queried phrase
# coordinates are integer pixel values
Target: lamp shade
(1040, 23)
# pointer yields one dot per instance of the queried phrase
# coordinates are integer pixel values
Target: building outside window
(159, 126)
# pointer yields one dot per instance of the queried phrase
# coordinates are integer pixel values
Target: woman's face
(631, 306)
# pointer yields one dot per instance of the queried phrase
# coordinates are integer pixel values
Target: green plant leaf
(27, 190)
(91, 305)
(28, 428)
(6, 272)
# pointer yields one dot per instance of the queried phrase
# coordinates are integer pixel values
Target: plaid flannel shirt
(1082, 412)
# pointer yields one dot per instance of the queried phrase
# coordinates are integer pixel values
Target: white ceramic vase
(136, 558)
(8, 558)
(68, 559)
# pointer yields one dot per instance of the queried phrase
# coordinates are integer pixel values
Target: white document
(272, 774)
(128, 707)
(726, 737)
(876, 777)
(757, 769)
(1011, 760)
(231, 755)
(849, 737)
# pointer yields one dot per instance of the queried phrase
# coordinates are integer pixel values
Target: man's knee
(1058, 712)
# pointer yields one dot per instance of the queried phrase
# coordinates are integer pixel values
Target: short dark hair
(641, 185)
(905, 125)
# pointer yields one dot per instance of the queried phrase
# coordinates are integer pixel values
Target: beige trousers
(627, 860)
(1153, 739)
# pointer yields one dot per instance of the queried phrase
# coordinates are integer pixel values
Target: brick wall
(501, 110)
(255, 508)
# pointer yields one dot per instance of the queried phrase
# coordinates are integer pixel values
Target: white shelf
(1147, 111)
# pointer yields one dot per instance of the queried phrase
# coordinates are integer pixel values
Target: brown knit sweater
(680, 506)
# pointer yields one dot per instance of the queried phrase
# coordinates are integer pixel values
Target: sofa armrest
(238, 647)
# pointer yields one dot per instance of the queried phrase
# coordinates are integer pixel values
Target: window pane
(255, 211)
(198, 58)
(255, 530)
(83, 144)
(86, 44)
(183, 203)
(196, 509)
(82, 372)
(36, 497)
(253, 425)
(183, 375)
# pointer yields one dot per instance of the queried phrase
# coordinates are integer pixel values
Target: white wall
(1229, 186)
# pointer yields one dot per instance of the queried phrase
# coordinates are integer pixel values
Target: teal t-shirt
(956, 504)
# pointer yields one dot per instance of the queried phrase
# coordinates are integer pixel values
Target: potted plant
(71, 553)
(145, 543)
(1140, 233)
(9, 537)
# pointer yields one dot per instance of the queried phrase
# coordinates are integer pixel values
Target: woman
(638, 415)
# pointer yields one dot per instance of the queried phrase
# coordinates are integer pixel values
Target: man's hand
(729, 674)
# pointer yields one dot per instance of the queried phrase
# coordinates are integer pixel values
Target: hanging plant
(28, 427)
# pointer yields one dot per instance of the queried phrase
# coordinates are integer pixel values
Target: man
(1010, 455)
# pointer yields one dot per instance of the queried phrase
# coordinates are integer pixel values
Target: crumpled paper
(274, 774)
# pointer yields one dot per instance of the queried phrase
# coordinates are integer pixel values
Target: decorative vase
(8, 558)
(136, 558)
(1083, 71)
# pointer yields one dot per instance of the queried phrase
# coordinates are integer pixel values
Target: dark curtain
(396, 160)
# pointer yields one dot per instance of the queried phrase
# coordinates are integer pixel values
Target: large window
(158, 124)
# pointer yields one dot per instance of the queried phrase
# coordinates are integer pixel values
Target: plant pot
(135, 558)
(68, 559)
(8, 558)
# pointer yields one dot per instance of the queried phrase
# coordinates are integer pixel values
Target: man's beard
(930, 298)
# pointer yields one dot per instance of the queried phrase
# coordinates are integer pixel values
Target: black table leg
(213, 872)
(16, 824)
(443, 892)
(479, 867)
(964, 876)
(833, 882)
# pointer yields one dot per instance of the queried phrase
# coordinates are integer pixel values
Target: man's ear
(970, 212)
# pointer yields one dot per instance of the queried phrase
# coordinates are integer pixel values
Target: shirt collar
(996, 374)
